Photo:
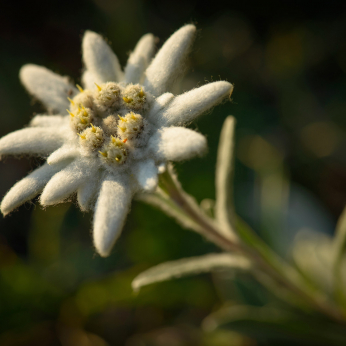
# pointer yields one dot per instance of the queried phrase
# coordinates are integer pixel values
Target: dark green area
(287, 60)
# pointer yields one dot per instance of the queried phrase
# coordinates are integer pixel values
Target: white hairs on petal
(146, 174)
(50, 88)
(99, 59)
(139, 59)
(49, 121)
(186, 107)
(158, 105)
(177, 144)
(169, 61)
(65, 152)
(88, 191)
(29, 187)
(88, 80)
(32, 140)
(67, 181)
(112, 207)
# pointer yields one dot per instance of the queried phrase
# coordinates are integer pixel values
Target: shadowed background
(287, 61)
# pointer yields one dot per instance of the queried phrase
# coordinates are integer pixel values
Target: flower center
(109, 120)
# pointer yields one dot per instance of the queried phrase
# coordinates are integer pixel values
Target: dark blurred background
(287, 60)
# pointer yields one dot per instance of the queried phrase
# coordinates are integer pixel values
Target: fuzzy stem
(210, 230)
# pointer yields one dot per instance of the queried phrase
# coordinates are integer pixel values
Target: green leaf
(224, 208)
(340, 238)
(161, 200)
(270, 323)
(339, 246)
(190, 266)
(313, 255)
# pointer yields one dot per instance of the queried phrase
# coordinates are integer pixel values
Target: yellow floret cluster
(109, 120)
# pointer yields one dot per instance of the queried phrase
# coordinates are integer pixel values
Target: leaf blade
(189, 266)
(224, 209)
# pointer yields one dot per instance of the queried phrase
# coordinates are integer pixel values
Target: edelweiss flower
(111, 138)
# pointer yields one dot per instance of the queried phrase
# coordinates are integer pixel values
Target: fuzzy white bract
(108, 140)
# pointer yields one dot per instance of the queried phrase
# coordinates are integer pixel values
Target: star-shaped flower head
(109, 140)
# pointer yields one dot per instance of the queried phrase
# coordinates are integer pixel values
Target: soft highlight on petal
(88, 191)
(67, 181)
(140, 59)
(49, 121)
(50, 88)
(67, 151)
(99, 59)
(158, 105)
(176, 144)
(29, 187)
(146, 174)
(88, 80)
(112, 207)
(186, 107)
(32, 140)
(168, 63)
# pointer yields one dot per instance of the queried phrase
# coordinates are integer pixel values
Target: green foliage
(288, 66)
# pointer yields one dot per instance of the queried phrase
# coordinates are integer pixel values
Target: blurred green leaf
(340, 238)
(189, 266)
(224, 209)
(339, 247)
(272, 324)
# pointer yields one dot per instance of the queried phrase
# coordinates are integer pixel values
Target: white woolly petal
(176, 144)
(65, 152)
(168, 62)
(111, 209)
(186, 107)
(32, 140)
(88, 80)
(49, 120)
(146, 174)
(139, 59)
(29, 187)
(99, 59)
(67, 181)
(158, 105)
(87, 192)
(50, 88)
(161, 168)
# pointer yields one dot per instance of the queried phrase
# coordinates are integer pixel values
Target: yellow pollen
(133, 116)
(83, 121)
(79, 88)
(93, 128)
(118, 158)
(127, 99)
(141, 93)
(114, 140)
(122, 128)
(104, 154)
(122, 118)
(98, 87)
(81, 136)
(72, 115)
(72, 103)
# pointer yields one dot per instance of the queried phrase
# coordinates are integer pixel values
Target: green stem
(263, 258)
